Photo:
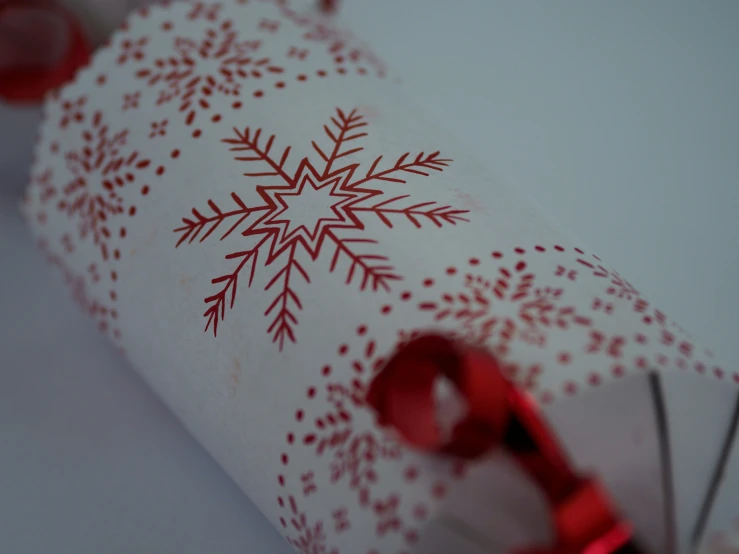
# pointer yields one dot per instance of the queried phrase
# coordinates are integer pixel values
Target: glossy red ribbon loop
(28, 80)
(499, 415)
(403, 396)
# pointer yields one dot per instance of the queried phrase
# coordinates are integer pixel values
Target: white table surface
(621, 119)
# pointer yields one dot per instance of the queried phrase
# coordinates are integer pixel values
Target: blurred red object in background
(41, 48)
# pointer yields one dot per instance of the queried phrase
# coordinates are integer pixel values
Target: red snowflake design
(101, 167)
(346, 199)
(216, 64)
(340, 45)
(539, 308)
(476, 313)
(354, 454)
(503, 302)
(104, 316)
(352, 451)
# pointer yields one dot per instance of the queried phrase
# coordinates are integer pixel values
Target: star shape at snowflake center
(310, 206)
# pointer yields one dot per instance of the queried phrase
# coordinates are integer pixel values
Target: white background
(621, 119)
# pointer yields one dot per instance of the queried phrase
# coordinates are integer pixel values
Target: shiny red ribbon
(24, 79)
(499, 415)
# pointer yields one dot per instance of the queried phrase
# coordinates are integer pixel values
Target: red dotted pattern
(192, 91)
(226, 60)
(105, 316)
(346, 53)
(346, 398)
(353, 453)
(543, 307)
(95, 191)
(353, 456)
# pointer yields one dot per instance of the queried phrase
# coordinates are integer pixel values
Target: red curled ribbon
(499, 415)
(41, 48)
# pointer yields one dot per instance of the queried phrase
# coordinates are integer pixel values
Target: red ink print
(188, 76)
(297, 53)
(341, 522)
(268, 25)
(131, 101)
(203, 10)
(279, 240)
(339, 44)
(101, 170)
(81, 293)
(309, 483)
(43, 181)
(132, 50)
(158, 128)
(73, 112)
